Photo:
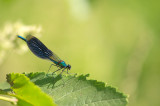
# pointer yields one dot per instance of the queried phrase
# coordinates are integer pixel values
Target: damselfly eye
(69, 66)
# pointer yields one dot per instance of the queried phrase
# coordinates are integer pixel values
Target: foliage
(27, 93)
(67, 90)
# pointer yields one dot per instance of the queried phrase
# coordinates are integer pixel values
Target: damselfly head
(69, 66)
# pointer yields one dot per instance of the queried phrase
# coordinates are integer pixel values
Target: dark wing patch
(38, 48)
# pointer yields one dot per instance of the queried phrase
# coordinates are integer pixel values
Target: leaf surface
(27, 93)
(78, 91)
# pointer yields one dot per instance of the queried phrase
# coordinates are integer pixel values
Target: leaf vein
(105, 100)
(72, 92)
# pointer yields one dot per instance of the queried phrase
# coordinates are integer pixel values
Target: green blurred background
(116, 42)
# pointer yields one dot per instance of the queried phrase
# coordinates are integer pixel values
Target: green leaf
(78, 91)
(27, 93)
(4, 85)
(4, 88)
(65, 90)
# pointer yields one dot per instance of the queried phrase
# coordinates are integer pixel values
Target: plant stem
(12, 100)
